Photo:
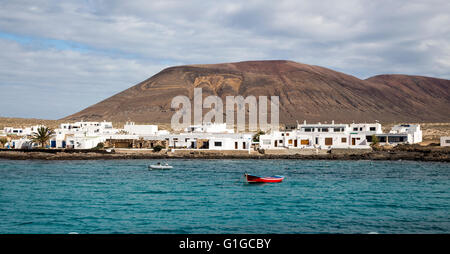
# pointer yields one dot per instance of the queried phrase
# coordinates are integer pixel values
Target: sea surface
(210, 196)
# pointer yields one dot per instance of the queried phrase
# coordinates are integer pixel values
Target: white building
(82, 135)
(366, 128)
(326, 136)
(413, 130)
(13, 131)
(322, 136)
(33, 129)
(210, 141)
(90, 127)
(399, 134)
(445, 141)
(133, 129)
(22, 143)
(21, 131)
(209, 128)
(83, 142)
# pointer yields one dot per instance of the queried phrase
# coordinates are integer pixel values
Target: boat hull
(258, 179)
(159, 167)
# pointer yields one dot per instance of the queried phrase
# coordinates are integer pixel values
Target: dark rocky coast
(401, 152)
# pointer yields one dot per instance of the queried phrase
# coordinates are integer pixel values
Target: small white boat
(160, 166)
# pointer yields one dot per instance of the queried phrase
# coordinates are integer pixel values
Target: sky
(59, 57)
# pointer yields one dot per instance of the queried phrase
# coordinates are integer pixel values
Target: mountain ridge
(307, 92)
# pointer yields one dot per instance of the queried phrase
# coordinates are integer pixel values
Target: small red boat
(259, 179)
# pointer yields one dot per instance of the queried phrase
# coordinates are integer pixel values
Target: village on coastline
(212, 136)
(101, 140)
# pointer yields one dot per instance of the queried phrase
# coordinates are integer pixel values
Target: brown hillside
(306, 92)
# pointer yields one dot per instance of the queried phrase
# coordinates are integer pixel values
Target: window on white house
(218, 143)
(267, 142)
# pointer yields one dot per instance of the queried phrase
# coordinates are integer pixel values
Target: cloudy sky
(58, 57)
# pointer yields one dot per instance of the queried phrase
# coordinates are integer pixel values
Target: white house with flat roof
(21, 131)
(21, 143)
(83, 142)
(77, 127)
(13, 131)
(366, 128)
(445, 141)
(399, 134)
(209, 128)
(134, 129)
(231, 142)
(209, 141)
(413, 130)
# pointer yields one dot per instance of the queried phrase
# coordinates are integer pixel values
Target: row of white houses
(20, 131)
(325, 136)
(87, 135)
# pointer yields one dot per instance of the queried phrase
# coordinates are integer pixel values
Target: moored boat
(259, 179)
(160, 166)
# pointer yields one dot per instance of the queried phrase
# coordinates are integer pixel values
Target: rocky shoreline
(412, 153)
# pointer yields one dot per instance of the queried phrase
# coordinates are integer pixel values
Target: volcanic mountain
(306, 92)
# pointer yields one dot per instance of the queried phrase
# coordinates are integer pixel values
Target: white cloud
(106, 46)
(43, 82)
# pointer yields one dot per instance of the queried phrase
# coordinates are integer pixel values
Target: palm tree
(256, 136)
(42, 135)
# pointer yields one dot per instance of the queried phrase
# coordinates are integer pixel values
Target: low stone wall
(442, 155)
(349, 151)
(295, 151)
(209, 152)
(54, 151)
(133, 151)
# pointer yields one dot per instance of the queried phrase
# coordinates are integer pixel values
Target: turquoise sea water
(210, 196)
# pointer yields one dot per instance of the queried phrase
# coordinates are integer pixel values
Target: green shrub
(375, 140)
(157, 148)
(375, 143)
(99, 146)
(3, 141)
